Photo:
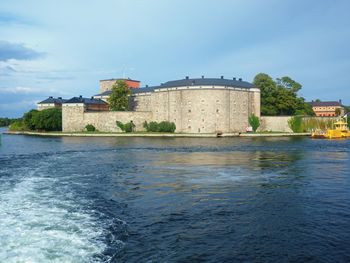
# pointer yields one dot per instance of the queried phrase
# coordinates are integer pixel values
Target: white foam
(39, 225)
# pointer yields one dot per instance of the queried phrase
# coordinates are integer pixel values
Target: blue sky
(63, 48)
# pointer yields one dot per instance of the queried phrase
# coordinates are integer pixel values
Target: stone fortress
(195, 105)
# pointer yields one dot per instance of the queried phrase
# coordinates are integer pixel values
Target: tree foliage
(164, 126)
(119, 98)
(280, 97)
(7, 121)
(47, 120)
(337, 111)
(254, 121)
(127, 127)
(28, 119)
(90, 128)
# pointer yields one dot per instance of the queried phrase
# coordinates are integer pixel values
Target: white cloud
(25, 90)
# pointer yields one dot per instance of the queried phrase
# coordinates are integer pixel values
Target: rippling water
(174, 200)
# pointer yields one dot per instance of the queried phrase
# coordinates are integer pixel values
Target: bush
(28, 119)
(127, 127)
(164, 126)
(48, 120)
(17, 126)
(90, 128)
(153, 127)
(254, 121)
(295, 123)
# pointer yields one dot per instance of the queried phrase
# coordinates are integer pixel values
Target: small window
(217, 110)
(189, 110)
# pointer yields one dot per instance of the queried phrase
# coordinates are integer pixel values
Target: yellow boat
(340, 130)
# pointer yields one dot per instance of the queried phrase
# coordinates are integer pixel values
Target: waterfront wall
(280, 123)
(201, 110)
(75, 118)
(275, 123)
(193, 110)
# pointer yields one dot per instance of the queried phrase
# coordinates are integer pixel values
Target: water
(174, 200)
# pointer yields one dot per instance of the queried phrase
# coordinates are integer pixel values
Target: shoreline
(169, 135)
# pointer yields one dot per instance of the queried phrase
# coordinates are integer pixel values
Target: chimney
(240, 79)
(234, 78)
(202, 77)
(222, 77)
(60, 98)
(340, 102)
(80, 96)
(146, 86)
(187, 77)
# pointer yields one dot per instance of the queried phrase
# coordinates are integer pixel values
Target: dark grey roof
(207, 82)
(144, 89)
(58, 100)
(85, 100)
(106, 93)
(325, 103)
(191, 82)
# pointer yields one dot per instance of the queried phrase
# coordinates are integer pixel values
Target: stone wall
(280, 123)
(106, 84)
(205, 110)
(275, 123)
(75, 118)
(192, 109)
(140, 102)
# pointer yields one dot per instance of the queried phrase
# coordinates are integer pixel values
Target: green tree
(28, 119)
(48, 120)
(254, 121)
(5, 122)
(119, 98)
(337, 111)
(268, 92)
(280, 97)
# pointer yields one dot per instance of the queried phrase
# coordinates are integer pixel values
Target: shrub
(254, 121)
(295, 124)
(153, 127)
(166, 126)
(90, 128)
(17, 126)
(48, 120)
(120, 125)
(127, 127)
(28, 119)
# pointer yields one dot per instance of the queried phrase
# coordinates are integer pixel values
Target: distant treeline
(34, 120)
(7, 121)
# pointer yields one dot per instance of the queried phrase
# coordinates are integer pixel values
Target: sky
(63, 48)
